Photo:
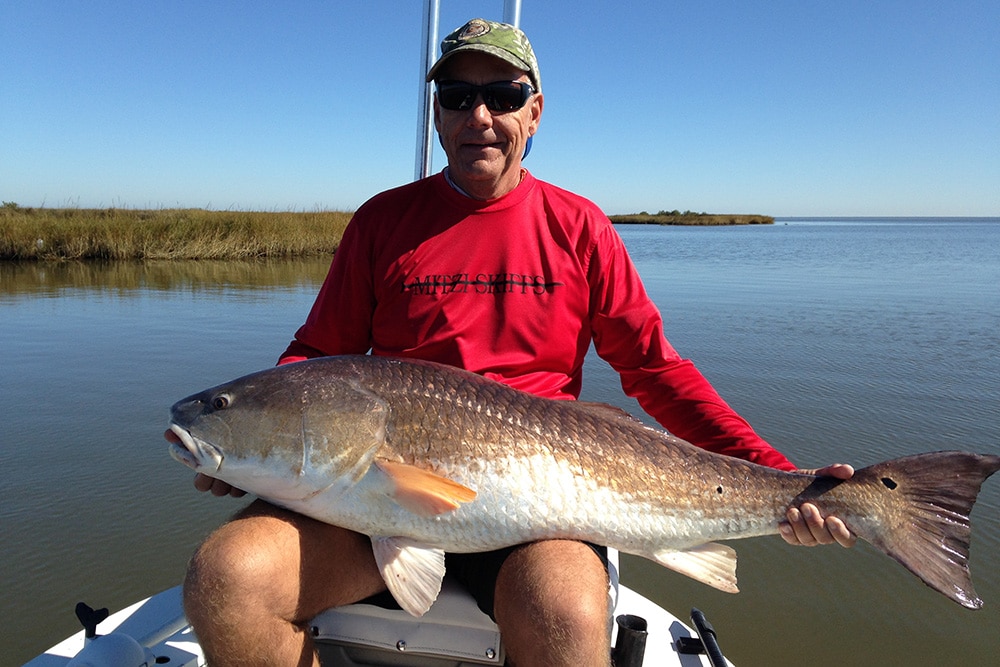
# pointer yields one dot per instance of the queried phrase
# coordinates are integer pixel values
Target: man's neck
(493, 193)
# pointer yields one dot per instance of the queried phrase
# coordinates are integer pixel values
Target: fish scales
(571, 449)
(644, 466)
(424, 457)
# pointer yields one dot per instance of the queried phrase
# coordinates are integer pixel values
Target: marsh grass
(133, 234)
(127, 234)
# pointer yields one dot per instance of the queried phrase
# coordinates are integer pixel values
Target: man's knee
(553, 606)
(217, 572)
(258, 563)
(565, 631)
(237, 563)
(586, 612)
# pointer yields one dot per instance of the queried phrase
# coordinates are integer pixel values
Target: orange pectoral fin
(423, 492)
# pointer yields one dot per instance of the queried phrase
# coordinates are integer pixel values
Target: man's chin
(474, 172)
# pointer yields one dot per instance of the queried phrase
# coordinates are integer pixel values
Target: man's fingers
(217, 486)
(838, 529)
(806, 526)
(203, 482)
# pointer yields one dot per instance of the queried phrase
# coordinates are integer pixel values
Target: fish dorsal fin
(713, 564)
(411, 571)
(423, 492)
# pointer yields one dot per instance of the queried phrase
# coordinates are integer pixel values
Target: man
(487, 268)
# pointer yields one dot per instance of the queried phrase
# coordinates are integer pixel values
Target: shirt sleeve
(628, 334)
(341, 316)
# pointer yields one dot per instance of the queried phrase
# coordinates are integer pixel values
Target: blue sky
(877, 107)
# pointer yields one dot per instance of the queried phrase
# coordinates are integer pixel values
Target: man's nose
(479, 114)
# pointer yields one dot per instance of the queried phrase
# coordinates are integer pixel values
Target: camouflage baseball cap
(500, 40)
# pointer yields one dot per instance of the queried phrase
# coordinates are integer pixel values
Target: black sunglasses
(499, 96)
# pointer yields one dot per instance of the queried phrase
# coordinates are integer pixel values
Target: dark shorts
(478, 574)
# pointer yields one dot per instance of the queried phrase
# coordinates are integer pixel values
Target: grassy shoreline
(128, 234)
(134, 234)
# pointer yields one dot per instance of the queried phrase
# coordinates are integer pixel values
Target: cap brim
(482, 48)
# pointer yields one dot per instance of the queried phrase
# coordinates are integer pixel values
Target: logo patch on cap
(474, 28)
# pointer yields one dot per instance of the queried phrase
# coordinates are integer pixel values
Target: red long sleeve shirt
(515, 289)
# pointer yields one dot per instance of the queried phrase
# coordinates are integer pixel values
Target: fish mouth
(191, 451)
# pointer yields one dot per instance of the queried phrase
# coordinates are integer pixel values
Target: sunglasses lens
(505, 96)
(456, 96)
(502, 96)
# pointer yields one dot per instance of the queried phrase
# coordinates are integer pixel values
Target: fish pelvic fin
(411, 571)
(423, 492)
(712, 563)
(929, 530)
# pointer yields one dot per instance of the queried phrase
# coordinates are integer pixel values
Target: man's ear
(537, 104)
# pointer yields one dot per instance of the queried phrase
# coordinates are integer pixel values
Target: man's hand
(217, 486)
(806, 526)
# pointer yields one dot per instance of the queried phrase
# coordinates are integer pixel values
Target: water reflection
(33, 279)
(96, 354)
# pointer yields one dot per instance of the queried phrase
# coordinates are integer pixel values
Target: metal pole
(512, 12)
(425, 122)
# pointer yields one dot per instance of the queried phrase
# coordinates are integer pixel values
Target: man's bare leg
(257, 580)
(552, 606)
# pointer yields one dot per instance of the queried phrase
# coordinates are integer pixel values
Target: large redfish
(425, 459)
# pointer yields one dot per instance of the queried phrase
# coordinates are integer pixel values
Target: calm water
(839, 340)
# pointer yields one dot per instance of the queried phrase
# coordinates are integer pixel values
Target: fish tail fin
(927, 527)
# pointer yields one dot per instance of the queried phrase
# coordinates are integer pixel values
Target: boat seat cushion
(454, 627)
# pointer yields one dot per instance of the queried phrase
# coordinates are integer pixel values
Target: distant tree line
(676, 217)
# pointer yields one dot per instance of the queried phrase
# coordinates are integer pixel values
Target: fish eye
(220, 402)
